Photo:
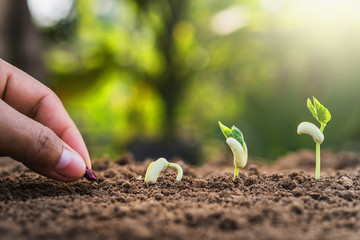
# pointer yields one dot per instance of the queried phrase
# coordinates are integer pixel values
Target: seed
(89, 175)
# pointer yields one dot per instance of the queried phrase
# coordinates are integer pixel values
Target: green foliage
(155, 69)
(311, 108)
(234, 132)
(225, 130)
(319, 112)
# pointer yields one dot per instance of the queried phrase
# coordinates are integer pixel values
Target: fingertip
(85, 156)
(88, 163)
(70, 165)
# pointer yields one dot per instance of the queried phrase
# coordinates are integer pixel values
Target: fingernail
(70, 165)
(89, 175)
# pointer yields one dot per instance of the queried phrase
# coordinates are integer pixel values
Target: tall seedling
(322, 115)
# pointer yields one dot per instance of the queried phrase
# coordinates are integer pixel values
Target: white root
(240, 153)
(180, 171)
(312, 130)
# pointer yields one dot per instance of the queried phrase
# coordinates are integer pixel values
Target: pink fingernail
(70, 165)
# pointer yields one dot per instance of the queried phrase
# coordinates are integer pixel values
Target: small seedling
(235, 140)
(323, 115)
(160, 165)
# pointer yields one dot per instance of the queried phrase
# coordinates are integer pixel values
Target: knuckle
(45, 143)
(50, 93)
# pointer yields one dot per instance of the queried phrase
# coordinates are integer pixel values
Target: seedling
(323, 115)
(160, 165)
(235, 140)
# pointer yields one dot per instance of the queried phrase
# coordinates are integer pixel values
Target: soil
(282, 201)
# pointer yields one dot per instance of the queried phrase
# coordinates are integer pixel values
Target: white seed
(312, 130)
(155, 168)
(240, 154)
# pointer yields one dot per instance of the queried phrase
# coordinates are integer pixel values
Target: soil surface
(282, 201)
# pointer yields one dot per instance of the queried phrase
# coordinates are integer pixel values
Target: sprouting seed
(235, 140)
(160, 165)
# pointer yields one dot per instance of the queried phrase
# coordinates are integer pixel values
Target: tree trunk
(20, 42)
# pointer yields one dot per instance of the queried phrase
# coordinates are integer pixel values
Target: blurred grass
(170, 70)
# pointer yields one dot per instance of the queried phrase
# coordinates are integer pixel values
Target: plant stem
(236, 172)
(317, 167)
(178, 168)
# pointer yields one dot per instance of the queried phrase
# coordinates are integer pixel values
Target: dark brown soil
(277, 202)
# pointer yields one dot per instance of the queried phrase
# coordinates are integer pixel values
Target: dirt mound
(204, 205)
(305, 160)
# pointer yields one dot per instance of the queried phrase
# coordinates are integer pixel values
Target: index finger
(32, 98)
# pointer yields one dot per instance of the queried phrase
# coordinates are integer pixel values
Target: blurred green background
(154, 76)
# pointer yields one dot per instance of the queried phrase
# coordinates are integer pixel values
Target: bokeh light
(48, 13)
(160, 74)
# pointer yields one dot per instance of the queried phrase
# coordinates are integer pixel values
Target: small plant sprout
(323, 115)
(160, 165)
(235, 140)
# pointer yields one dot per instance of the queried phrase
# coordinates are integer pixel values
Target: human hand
(36, 130)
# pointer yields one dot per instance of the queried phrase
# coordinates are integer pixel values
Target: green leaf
(323, 115)
(311, 108)
(319, 112)
(237, 134)
(234, 132)
(225, 130)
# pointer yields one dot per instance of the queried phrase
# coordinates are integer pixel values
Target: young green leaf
(225, 130)
(237, 134)
(311, 108)
(234, 132)
(322, 113)
(319, 112)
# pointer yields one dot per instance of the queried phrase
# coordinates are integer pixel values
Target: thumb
(37, 146)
